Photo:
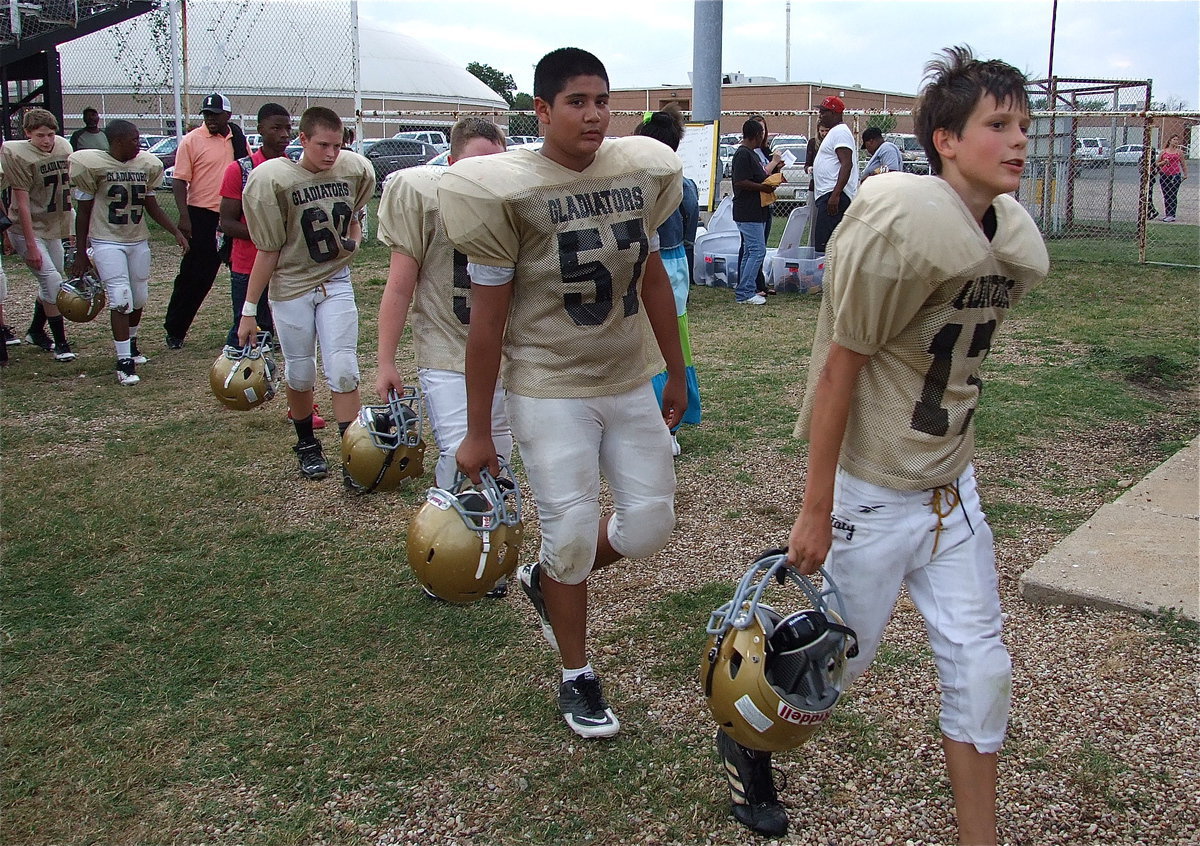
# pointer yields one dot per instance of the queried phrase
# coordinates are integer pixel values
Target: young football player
(40, 209)
(566, 280)
(427, 273)
(918, 277)
(115, 192)
(304, 218)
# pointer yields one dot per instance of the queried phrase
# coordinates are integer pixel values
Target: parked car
(165, 150)
(147, 141)
(437, 140)
(168, 180)
(293, 151)
(1092, 152)
(253, 141)
(392, 154)
(1128, 154)
(725, 157)
(440, 160)
(795, 182)
(789, 141)
(522, 140)
(912, 153)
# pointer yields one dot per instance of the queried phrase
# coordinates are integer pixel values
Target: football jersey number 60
(571, 244)
(325, 243)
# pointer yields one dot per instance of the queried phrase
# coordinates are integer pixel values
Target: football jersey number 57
(570, 244)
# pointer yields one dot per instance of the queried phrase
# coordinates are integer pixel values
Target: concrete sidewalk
(1139, 553)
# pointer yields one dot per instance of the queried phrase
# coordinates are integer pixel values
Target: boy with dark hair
(566, 279)
(115, 190)
(305, 219)
(40, 209)
(427, 273)
(918, 277)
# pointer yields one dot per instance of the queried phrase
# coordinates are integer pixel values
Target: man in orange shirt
(200, 164)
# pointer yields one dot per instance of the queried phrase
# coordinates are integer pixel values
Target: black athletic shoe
(583, 706)
(312, 459)
(174, 343)
(8, 336)
(40, 340)
(138, 357)
(500, 590)
(63, 352)
(755, 804)
(127, 372)
(530, 577)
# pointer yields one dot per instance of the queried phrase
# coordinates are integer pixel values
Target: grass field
(200, 647)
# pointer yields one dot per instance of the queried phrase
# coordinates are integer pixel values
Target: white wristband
(249, 309)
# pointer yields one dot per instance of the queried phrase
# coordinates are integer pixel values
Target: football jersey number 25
(574, 271)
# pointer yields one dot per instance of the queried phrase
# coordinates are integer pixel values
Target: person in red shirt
(275, 127)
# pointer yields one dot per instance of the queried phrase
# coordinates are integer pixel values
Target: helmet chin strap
(486, 537)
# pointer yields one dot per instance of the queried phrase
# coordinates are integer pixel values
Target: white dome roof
(256, 49)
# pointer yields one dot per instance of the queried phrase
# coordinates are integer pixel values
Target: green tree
(497, 80)
(522, 124)
(884, 123)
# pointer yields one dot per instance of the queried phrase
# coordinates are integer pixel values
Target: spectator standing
(772, 164)
(1172, 170)
(91, 137)
(200, 164)
(667, 126)
(835, 179)
(885, 156)
(749, 186)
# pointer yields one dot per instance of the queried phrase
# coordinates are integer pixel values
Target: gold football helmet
(772, 679)
(462, 541)
(245, 378)
(383, 446)
(81, 298)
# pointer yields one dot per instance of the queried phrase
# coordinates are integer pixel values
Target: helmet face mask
(462, 541)
(383, 446)
(245, 378)
(772, 679)
(81, 298)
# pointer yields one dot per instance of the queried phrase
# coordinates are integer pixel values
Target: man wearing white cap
(200, 164)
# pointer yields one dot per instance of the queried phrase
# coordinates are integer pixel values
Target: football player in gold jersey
(919, 276)
(36, 171)
(566, 279)
(115, 191)
(305, 219)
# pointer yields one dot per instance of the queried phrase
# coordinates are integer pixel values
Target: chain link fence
(1091, 180)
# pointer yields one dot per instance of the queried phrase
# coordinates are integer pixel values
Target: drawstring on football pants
(945, 499)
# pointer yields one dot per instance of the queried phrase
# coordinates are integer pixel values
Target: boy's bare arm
(812, 534)
(83, 225)
(160, 217)
(393, 312)
(25, 219)
(659, 301)
(489, 315)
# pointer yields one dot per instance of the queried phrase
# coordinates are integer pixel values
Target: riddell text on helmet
(802, 718)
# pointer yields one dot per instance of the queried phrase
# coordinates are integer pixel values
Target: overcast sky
(879, 44)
